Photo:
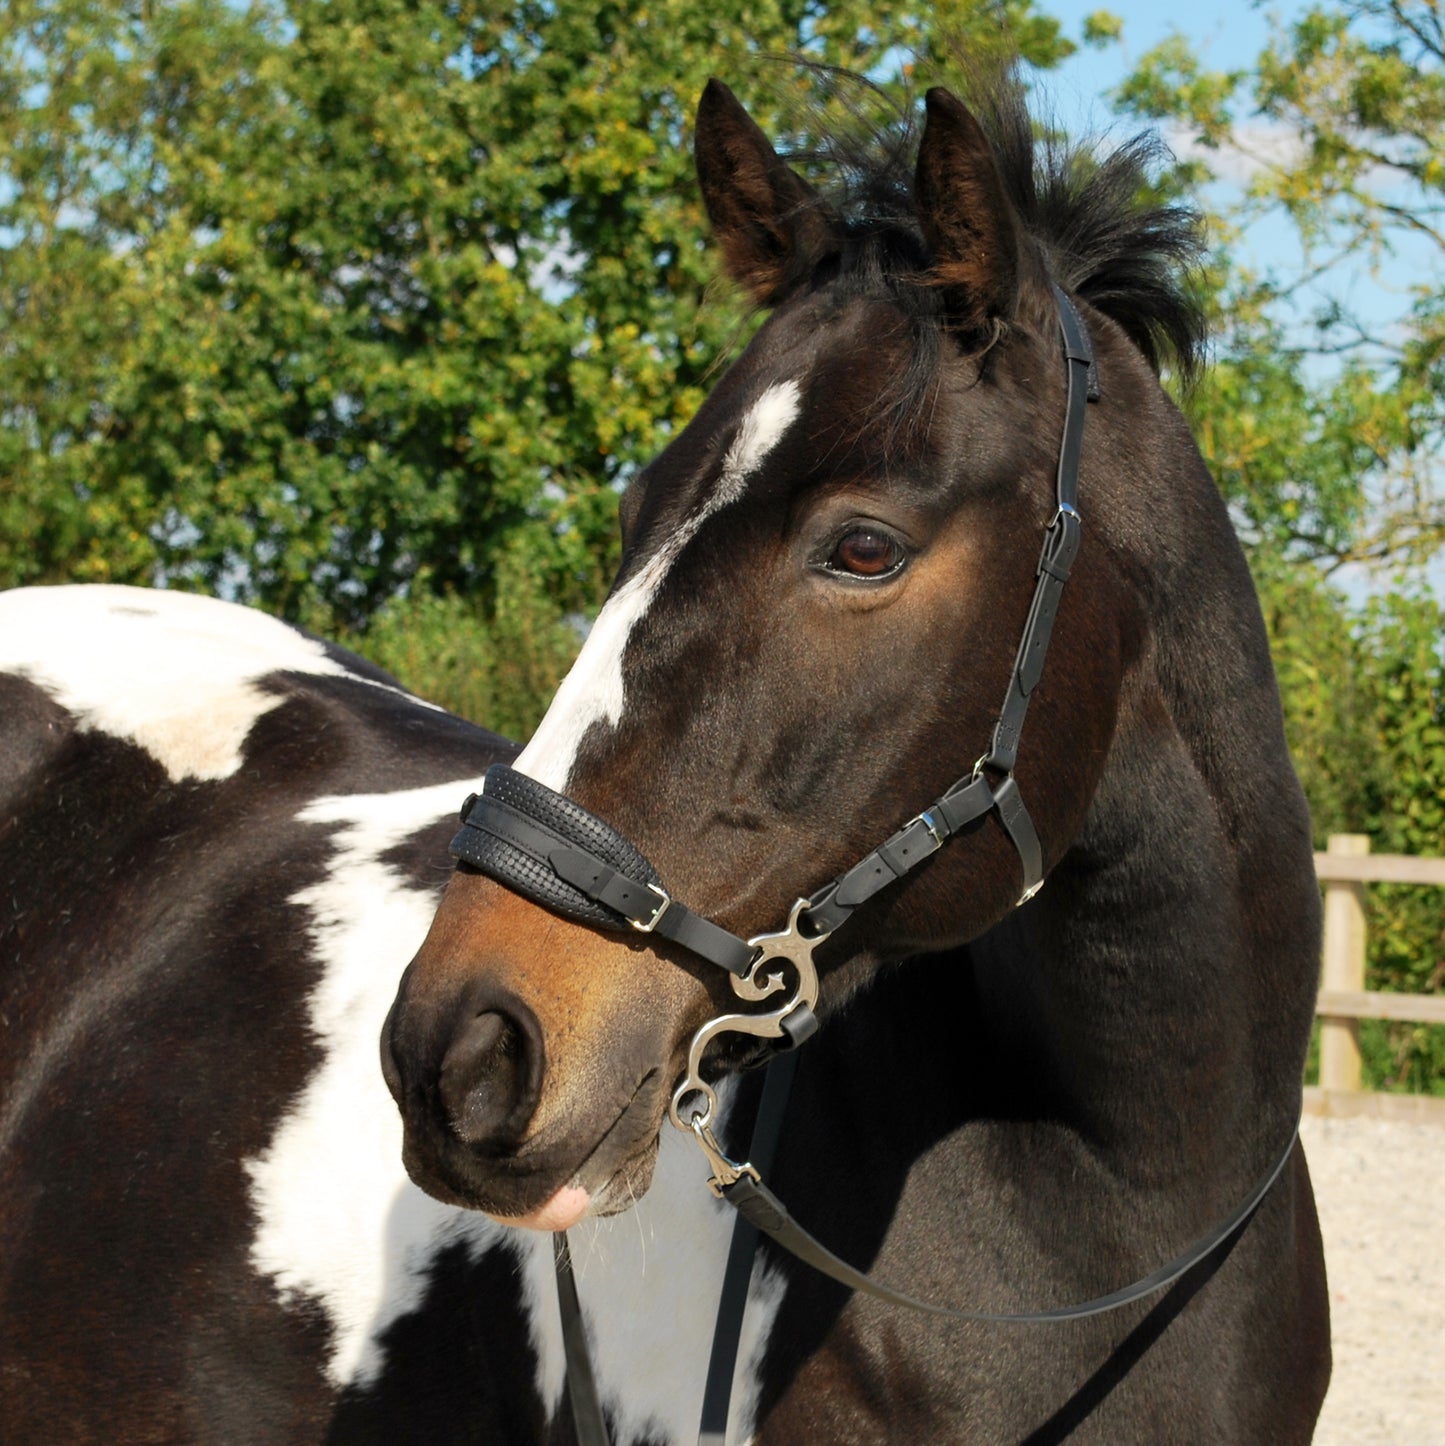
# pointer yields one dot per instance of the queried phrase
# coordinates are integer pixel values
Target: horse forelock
(1084, 207)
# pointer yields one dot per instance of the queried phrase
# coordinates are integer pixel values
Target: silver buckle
(927, 819)
(646, 926)
(725, 1172)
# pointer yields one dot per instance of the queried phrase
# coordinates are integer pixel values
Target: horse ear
(967, 218)
(767, 220)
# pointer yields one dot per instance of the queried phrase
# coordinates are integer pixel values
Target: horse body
(223, 839)
(220, 839)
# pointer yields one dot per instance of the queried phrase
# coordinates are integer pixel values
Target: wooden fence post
(1344, 968)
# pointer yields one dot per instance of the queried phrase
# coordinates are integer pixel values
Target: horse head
(824, 581)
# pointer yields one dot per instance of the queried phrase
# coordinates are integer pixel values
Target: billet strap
(762, 1209)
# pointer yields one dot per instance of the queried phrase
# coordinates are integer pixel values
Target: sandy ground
(1380, 1187)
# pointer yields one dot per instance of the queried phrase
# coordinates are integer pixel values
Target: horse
(222, 838)
(1020, 1096)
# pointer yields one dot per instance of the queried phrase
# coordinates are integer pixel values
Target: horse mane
(1093, 215)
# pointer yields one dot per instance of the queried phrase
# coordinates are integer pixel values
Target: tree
(1324, 419)
(316, 302)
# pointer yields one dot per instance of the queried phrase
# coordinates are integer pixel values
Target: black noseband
(517, 828)
(553, 851)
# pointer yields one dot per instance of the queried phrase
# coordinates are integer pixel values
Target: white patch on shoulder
(338, 1219)
(649, 1282)
(592, 692)
(339, 1222)
(174, 673)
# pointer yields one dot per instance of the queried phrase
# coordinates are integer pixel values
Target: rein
(549, 849)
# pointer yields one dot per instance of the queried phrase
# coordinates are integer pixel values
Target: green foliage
(321, 302)
(1364, 696)
(1404, 638)
(1326, 423)
(1102, 27)
(498, 668)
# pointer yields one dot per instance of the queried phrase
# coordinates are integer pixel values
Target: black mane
(1092, 213)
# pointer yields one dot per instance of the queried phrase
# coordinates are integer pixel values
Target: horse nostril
(485, 1082)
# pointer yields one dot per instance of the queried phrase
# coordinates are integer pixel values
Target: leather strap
(587, 1418)
(1061, 543)
(653, 910)
(766, 1213)
(921, 837)
(627, 898)
(727, 1332)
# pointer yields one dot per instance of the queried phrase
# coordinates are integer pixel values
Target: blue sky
(1227, 34)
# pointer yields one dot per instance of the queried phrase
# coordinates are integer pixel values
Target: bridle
(552, 850)
(543, 845)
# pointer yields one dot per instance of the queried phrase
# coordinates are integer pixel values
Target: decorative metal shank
(789, 945)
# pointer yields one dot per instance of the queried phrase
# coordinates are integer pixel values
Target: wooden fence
(1344, 870)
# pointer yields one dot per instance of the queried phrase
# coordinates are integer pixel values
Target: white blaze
(593, 691)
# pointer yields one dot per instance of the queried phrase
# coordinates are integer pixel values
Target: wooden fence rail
(1344, 870)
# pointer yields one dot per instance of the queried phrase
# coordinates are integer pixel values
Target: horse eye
(866, 553)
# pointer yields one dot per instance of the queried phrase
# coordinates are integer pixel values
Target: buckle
(927, 819)
(646, 926)
(1061, 543)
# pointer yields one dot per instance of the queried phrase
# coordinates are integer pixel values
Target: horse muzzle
(531, 1058)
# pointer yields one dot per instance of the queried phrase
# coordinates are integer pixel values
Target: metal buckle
(927, 819)
(725, 1172)
(646, 926)
(1059, 539)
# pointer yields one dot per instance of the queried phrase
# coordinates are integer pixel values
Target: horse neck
(1176, 944)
